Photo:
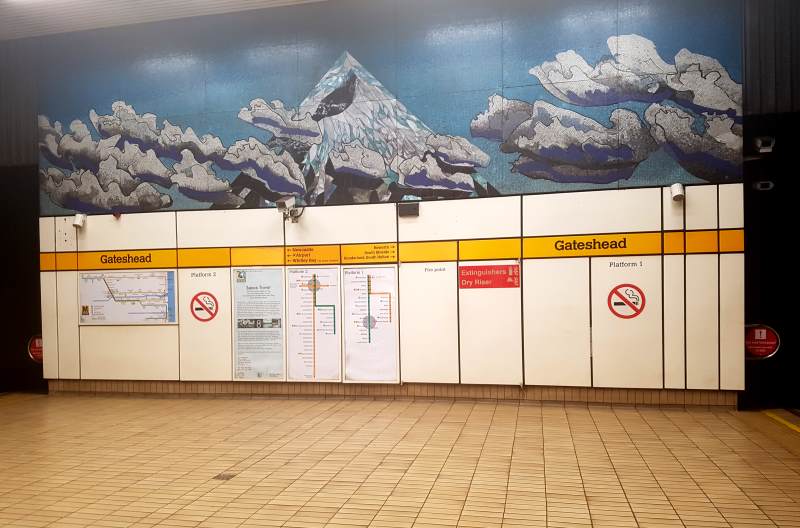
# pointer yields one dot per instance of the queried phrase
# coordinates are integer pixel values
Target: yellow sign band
(134, 259)
(702, 241)
(561, 246)
(204, 258)
(67, 261)
(429, 251)
(369, 253)
(493, 249)
(257, 256)
(313, 255)
(673, 242)
(47, 261)
(731, 240)
(592, 245)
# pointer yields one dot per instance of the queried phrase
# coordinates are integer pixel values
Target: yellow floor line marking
(782, 421)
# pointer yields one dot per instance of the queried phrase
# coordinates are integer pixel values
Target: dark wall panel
(20, 287)
(18, 102)
(772, 56)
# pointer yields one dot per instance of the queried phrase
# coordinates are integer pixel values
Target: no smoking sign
(204, 307)
(626, 301)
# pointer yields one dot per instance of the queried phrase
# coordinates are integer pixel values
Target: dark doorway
(770, 186)
(21, 318)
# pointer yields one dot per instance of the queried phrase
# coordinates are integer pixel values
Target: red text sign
(489, 276)
(761, 341)
(36, 348)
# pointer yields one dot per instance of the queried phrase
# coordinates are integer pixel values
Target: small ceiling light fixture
(79, 220)
(764, 144)
(677, 191)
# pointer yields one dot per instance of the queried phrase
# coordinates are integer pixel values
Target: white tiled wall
(205, 346)
(614, 211)
(446, 334)
(674, 328)
(344, 224)
(47, 282)
(47, 234)
(731, 206)
(429, 317)
(674, 309)
(491, 333)
(66, 236)
(557, 331)
(731, 338)
(463, 219)
(702, 331)
(235, 228)
(69, 366)
(129, 352)
(701, 207)
(627, 352)
(129, 231)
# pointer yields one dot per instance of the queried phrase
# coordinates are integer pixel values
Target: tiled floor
(116, 462)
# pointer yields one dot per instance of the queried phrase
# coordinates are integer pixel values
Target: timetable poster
(314, 340)
(258, 323)
(370, 324)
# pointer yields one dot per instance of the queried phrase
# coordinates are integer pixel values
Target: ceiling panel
(30, 18)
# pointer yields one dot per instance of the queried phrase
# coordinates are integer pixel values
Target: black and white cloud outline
(74, 149)
(167, 142)
(198, 181)
(562, 145)
(501, 118)
(283, 122)
(145, 166)
(357, 162)
(82, 190)
(425, 173)
(119, 173)
(561, 150)
(714, 155)
(279, 172)
(636, 72)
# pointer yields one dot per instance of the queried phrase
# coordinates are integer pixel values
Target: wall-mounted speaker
(408, 209)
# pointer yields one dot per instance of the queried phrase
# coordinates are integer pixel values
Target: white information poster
(258, 323)
(314, 341)
(127, 297)
(370, 324)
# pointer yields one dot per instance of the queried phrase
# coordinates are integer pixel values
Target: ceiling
(30, 18)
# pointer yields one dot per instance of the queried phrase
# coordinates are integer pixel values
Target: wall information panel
(258, 323)
(127, 297)
(370, 324)
(314, 337)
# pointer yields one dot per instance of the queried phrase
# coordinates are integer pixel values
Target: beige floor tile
(118, 462)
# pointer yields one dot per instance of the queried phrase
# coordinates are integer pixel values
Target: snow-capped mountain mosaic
(350, 141)
(621, 112)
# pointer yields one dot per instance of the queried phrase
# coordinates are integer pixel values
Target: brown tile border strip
(238, 389)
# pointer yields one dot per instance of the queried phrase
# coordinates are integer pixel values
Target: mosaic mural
(632, 115)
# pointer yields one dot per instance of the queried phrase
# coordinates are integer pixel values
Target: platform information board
(370, 322)
(127, 297)
(314, 337)
(258, 323)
